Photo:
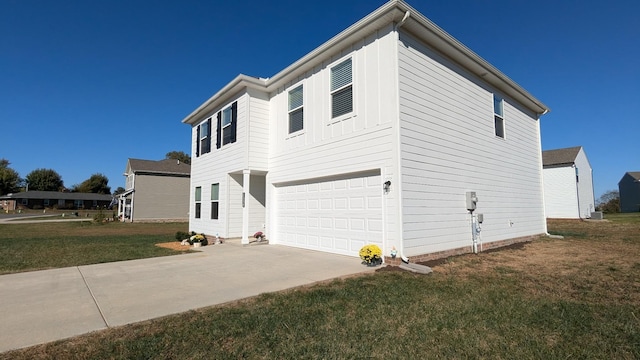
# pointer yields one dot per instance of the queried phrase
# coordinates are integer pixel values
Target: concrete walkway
(43, 306)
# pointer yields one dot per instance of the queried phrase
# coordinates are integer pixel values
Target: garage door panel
(337, 216)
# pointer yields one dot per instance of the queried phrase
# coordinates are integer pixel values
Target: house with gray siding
(388, 134)
(155, 191)
(629, 187)
(568, 183)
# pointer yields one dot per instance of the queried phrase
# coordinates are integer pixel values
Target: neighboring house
(377, 136)
(629, 187)
(54, 200)
(155, 191)
(568, 184)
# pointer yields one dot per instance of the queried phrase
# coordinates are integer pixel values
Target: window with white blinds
(296, 110)
(341, 89)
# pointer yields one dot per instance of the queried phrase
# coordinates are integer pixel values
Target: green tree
(119, 190)
(609, 202)
(97, 184)
(9, 179)
(44, 180)
(179, 155)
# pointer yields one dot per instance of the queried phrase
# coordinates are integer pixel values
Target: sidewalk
(43, 306)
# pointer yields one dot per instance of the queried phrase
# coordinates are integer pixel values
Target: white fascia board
(218, 99)
(391, 12)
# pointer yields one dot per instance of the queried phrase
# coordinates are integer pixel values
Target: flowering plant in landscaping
(197, 238)
(371, 254)
(259, 235)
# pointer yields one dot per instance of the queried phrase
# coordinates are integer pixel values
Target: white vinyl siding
(561, 193)
(215, 168)
(568, 190)
(446, 150)
(257, 114)
(586, 197)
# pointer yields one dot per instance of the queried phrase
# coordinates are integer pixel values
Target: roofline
(393, 11)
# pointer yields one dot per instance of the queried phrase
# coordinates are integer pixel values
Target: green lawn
(571, 298)
(28, 247)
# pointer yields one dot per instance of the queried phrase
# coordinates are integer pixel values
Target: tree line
(50, 180)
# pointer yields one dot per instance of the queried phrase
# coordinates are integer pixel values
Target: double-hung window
(498, 115)
(203, 134)
(296, 111)
(215, 200)
(341, 89)
(198, 197)
(226, 125)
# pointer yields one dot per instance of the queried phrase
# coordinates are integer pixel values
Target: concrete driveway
(43, 306)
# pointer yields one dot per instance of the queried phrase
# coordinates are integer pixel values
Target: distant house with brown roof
(54, 200)
(629, 187)
(155, 191)
(568, 183)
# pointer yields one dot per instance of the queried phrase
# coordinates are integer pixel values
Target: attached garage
(338, 214)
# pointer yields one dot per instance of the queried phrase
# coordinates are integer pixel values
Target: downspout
(399, 160)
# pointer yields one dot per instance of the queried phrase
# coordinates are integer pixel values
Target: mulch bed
(174, 245)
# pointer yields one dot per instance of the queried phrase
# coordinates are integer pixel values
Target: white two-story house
(376, 136)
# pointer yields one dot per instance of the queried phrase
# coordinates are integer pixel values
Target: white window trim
(354, 109)
(495, 114)
(304, 101)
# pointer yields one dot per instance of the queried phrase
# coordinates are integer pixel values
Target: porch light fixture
(386, 186)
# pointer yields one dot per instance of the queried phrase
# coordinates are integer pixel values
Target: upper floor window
(227, 124)
(296, 111)
(341, 89)
(498, 115)
(203, 134)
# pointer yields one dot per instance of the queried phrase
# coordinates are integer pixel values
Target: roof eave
(218, 99)
(391, 12)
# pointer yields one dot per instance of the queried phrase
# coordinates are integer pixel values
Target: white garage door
(337, 215)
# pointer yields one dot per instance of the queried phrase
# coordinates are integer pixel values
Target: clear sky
(85, 85)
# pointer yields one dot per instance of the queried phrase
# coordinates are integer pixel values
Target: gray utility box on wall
(472, 199)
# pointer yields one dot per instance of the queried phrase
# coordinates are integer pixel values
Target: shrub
(181, 235)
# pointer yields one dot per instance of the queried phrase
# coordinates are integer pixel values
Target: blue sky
(86, 85)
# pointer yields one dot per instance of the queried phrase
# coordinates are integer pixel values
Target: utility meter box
(472, 199)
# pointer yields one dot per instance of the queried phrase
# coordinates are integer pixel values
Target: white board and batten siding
(325, 182)
(448, 147)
